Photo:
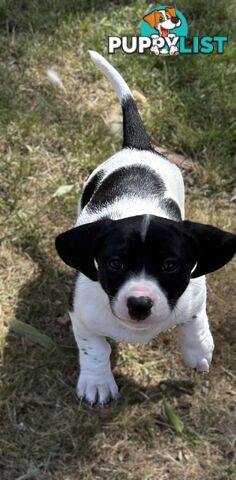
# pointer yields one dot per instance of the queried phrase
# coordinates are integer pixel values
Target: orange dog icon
(163, 21)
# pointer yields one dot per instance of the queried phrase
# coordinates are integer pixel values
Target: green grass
(49, 138)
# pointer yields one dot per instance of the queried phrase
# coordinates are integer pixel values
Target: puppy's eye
(169, 266)
(115, 263)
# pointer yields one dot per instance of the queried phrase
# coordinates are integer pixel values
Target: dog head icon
(163, 20)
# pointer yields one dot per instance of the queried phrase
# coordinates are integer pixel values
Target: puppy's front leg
(96, 382)
(196, 342)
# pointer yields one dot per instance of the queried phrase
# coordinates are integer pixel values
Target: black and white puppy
(141, 264)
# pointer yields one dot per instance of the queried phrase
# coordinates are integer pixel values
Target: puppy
(163, 21)
(141, 264)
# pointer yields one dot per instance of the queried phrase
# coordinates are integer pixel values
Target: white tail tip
(120, 86)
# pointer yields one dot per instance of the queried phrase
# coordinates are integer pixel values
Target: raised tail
(134, 133)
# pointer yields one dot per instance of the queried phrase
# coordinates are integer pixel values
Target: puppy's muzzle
(139, 307)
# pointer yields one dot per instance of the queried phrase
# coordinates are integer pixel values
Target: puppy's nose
(139, 307)
(175, 20)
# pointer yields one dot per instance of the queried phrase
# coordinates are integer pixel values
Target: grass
(49, 138)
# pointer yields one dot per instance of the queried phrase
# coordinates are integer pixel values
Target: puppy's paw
(200, 357)
(173, 50)
(155, 50)
(97, 389)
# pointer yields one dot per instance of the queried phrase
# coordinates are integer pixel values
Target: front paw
(97, 388)
(199, 357)
(155, 50)
(173, 50)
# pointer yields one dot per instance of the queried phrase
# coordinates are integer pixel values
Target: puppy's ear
(171, 11)
(77, 247)
(152, 18)
(213, 247)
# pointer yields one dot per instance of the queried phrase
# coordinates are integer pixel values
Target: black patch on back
(90, 188)
(133, 180)
(134, 133)
(171, 208)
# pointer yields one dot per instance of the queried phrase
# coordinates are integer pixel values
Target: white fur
(92, 318)
(96, 381)
(196, 341)
(145, 225)
(92, 312)
(118, 83)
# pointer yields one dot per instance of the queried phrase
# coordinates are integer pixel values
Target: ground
(51, 138)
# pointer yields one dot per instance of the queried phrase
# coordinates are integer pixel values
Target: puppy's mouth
(164, 31)
(132, 323)
(136, 324)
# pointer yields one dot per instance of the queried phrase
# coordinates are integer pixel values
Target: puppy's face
(163, 20)
(144, 263)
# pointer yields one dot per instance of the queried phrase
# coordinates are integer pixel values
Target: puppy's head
(163, 20)
(145, 263)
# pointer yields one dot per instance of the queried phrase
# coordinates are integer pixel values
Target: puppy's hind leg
(96, 382)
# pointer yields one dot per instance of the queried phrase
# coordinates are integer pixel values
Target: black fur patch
(171, 208)
(90, 188)
(134, 133)
(133, 180)
(165, 240)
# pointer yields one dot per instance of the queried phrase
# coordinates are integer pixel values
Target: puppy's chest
(92, 313)
(108, 327)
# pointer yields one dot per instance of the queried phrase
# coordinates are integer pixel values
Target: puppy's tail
(134, 133)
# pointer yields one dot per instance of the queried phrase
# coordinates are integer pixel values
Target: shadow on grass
(45, 427)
